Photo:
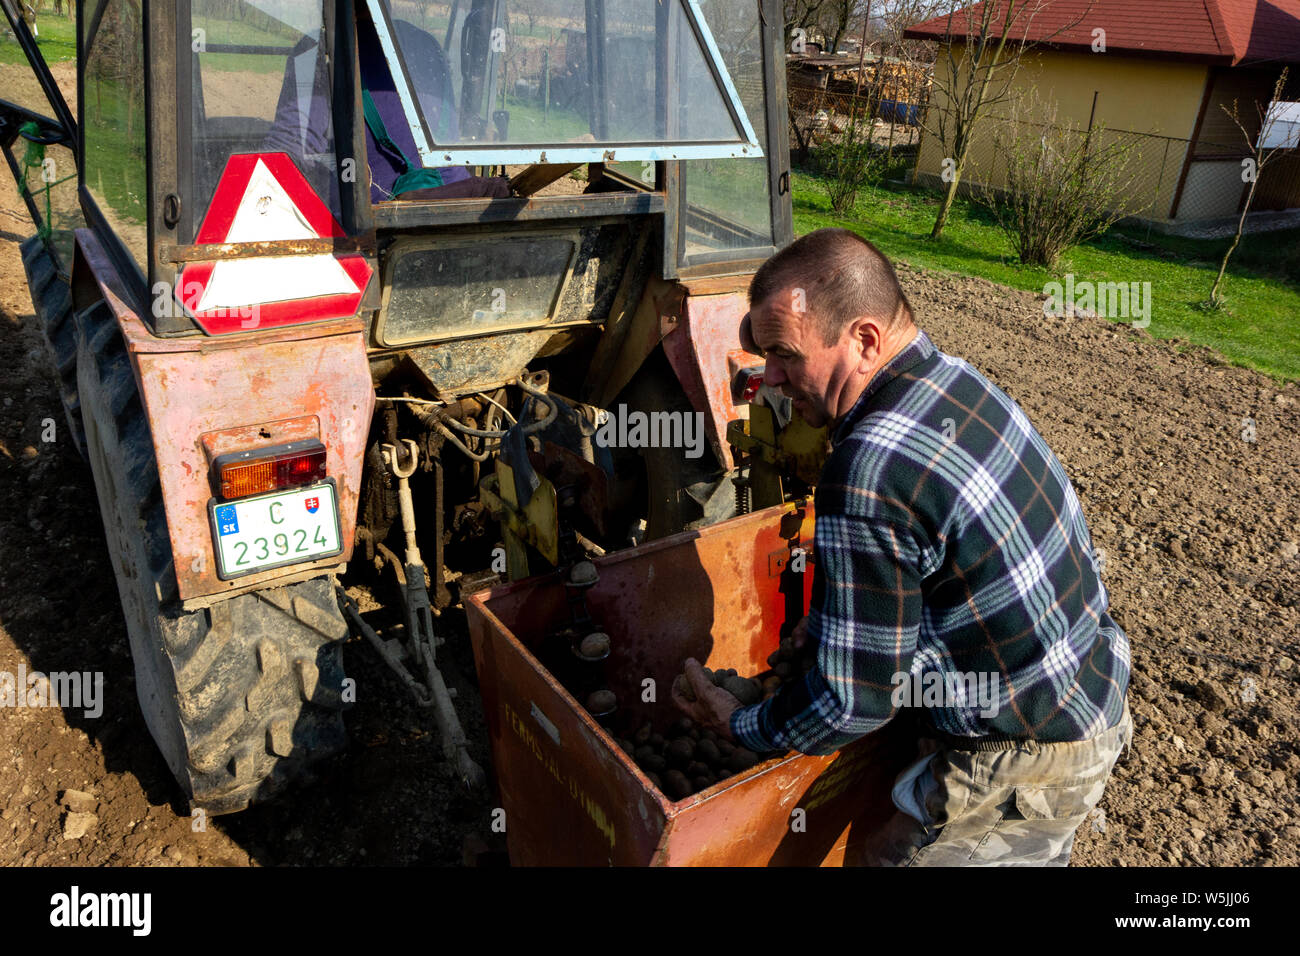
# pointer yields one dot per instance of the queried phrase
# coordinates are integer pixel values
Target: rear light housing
(748, 388)
(277, 467)
(746, 383)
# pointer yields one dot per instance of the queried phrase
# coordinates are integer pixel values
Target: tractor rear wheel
(242, 697)
(53, 301)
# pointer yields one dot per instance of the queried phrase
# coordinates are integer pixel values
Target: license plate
(270, 531)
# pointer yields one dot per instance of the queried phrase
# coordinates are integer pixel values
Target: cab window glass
(728, 201)
(261, 83)
(114, 124)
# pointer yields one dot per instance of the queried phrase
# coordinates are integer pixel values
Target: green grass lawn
(1258, 329)
(531, 123)
(57, 41)
(217, 31)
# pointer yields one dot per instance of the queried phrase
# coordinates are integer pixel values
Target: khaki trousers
(1011, 807)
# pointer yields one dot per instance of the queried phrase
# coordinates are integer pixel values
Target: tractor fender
(698, 324)
(205, 396)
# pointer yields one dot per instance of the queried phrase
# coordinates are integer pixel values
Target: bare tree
(833, 19)
(1253, 166)
(801, 15)
(981, 51)
(905, 65)
(896, 16)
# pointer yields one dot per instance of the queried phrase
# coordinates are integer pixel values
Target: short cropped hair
(841, 276)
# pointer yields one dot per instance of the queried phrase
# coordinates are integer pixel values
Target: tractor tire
(53, 301)
(243, 697)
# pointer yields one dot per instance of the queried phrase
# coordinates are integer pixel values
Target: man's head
(827, 313)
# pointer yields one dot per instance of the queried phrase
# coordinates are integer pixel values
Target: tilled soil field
(1189, 471)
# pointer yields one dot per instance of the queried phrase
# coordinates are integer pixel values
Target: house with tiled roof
(1157, 71)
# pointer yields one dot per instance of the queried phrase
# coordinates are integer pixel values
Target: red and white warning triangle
(263, 197)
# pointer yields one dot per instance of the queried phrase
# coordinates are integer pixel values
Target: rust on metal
(572, 797)
(196, 386)
(271, 247)
(702, 350)
(243, 438)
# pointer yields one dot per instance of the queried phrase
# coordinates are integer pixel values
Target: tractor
(417, 293)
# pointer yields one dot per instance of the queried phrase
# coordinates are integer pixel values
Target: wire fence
(887, 112)
(1194, 185)
(1147, 182)
(1164, 178)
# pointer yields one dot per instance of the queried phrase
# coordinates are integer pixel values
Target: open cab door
(38, 136)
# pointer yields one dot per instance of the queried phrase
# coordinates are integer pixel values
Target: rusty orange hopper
(723, 595)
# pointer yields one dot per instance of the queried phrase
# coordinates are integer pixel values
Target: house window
(1281, 129)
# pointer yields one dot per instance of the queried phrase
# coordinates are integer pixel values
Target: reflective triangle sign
(263, 197)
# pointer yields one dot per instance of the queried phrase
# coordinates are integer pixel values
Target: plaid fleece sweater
(950, 547)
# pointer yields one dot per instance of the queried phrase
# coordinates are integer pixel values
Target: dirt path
(1200, 529)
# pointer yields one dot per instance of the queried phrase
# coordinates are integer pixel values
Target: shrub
(1063, 185)
(848, 163)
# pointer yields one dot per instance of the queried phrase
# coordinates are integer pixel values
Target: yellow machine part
(798, 451)
(536, 524)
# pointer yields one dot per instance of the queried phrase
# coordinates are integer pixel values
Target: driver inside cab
(302, 119)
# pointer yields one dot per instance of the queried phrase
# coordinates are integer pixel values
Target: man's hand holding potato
(707, 705)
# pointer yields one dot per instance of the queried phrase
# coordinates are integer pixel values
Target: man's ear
(747, 337)
(868, 338)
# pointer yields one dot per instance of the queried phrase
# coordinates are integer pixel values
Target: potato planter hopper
(724, 595)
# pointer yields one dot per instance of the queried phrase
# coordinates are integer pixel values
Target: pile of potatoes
(785, 662)
(687, 759)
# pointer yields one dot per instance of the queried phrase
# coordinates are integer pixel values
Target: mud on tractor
(419, 292)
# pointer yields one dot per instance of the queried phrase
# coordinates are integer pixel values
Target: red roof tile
(1217, 31)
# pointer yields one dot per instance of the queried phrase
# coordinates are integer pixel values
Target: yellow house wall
(1154, 102)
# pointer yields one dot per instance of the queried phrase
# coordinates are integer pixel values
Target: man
(302, 121)
(954, 571)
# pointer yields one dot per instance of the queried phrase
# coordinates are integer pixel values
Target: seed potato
(680, 752)
(742, 760)
(676, 785)
(654, 764)
(595, 644)
(743, 689)
(682, 686)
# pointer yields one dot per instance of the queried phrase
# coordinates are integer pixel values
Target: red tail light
(746, 383)
(256, 472)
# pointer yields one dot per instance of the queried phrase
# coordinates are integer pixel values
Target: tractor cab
(412, 119)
